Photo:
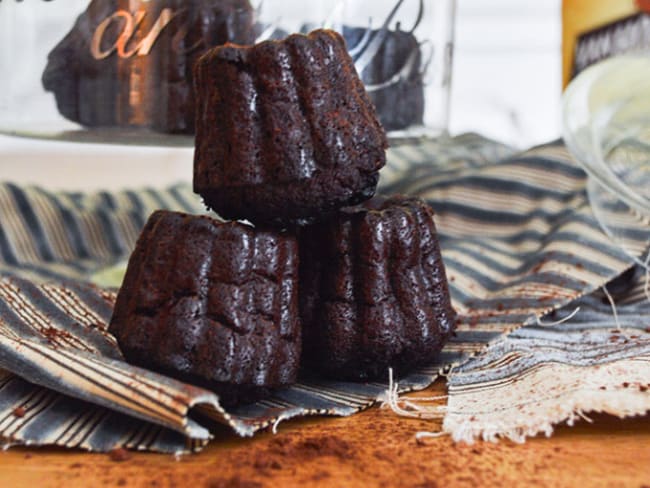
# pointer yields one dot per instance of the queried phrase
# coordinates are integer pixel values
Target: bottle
(594, 31)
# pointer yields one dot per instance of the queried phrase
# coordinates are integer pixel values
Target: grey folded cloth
(518, 239)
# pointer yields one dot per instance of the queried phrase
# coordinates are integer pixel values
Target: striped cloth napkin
(519, 241)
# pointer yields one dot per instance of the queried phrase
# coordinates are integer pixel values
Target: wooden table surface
(374, 448)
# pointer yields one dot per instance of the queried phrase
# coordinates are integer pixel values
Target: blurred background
(507, 70)
(506, 85)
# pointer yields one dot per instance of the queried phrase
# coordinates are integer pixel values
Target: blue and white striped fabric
(518, 239)
(544, 375)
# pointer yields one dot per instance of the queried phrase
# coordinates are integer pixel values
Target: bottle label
(624, 35)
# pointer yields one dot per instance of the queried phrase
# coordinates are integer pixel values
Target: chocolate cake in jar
(129, 63)
(391, 66)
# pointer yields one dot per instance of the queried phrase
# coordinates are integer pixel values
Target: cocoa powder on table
(312, 447)
(234, 482)
(119, 455)
(283, 451)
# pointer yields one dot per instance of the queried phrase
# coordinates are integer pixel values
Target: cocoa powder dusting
(313, 447)
(52, 334)
(371, 449)
(20, 412)
(263, 462)
(119, 455)
(234, 482)
(426, 484)
(325, 446)
(537, 268)
(320, 475)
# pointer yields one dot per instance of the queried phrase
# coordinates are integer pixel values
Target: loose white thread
(584, 417)
(415, 410)
(646, 286)
(419, 436)
(412, 407)
(447, 374)
(397, 404)
(613, 305)
(559, 322)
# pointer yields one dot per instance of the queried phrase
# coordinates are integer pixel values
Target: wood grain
(374, 449)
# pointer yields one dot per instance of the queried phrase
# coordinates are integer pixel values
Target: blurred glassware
(110, 70)
(402, 49)
(120, 70)
(606, 125)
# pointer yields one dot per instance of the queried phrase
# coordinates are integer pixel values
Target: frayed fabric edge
(613, 392)
(467, 434)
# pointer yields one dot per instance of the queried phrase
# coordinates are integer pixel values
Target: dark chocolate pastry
(285, 130)
(129, 64)
(373, 291)
(390, 65)
(213, 304)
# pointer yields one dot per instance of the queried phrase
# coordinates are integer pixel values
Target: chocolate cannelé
(285, 130)
(373, 292)
(212, 303)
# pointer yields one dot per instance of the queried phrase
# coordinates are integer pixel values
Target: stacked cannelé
(288, 140)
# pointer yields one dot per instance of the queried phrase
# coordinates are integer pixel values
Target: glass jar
(110, 70)
(402, 49)
(120, 70)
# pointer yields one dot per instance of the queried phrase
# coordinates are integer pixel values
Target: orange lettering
(132, 23)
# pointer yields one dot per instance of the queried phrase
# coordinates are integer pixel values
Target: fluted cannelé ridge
(285, 130)
(373, 292)
(212, 303)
